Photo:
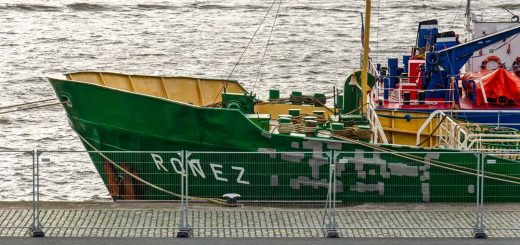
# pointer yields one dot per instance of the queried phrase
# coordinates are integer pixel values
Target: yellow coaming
(398, 130)
(196, 91)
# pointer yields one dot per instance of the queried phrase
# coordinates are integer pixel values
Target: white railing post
(35, 230)
(479, 228)
(185, 230)
(331, 226)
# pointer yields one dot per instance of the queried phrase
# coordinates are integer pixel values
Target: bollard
(232, 199)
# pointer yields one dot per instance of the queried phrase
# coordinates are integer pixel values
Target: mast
(468, 16)
(364, 68)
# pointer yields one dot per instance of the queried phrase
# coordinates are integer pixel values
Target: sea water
(315, 44)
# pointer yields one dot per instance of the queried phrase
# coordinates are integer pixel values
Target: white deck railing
(375, 125)
(378, 134)
(455, 135)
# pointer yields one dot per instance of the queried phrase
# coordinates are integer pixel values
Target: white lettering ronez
(174, 162)
(239, 178)
(159, 162)
(196, 168)
(216, 172)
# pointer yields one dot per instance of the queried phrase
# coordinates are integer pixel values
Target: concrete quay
(161, 220)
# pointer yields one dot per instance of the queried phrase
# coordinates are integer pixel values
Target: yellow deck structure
(196, 91)
(398, 130)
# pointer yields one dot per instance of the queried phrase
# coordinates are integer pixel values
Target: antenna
(468, 16)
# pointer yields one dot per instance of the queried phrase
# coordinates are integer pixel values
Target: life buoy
(502, 101)
(493, 58)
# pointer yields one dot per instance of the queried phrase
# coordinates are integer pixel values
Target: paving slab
(255, 241)
(162, 220)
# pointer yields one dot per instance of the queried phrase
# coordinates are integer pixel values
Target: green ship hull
(116, 120)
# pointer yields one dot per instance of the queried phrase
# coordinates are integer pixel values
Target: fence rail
(264, 194)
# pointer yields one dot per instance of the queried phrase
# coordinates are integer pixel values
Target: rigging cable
(224, 84)
(266, 46)
(377, 29)
(457, 9)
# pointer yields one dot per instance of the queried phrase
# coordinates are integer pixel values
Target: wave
(84, 6)
(30, 7)
(420, 7)
(90, 7)
(103, 7)
(156, 6)
(150, 54)
(253, 7)
(423, 7)
(308, 8)
(509, 6)
(5, 121)
(227, 7)
(214, 6)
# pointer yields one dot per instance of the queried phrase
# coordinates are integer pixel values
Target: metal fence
(16, 188)
(276, 192)
(260, 194)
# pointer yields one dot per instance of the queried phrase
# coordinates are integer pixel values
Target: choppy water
(314, 46)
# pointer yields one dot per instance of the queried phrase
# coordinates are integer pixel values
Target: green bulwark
(214, 145)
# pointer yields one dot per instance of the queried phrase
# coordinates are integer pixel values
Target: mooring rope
(20, 107)
(28, 103)
(212, 200)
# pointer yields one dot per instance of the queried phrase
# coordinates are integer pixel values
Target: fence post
(331, 226)
(479, 229)
(185, 230)
(35, 229)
